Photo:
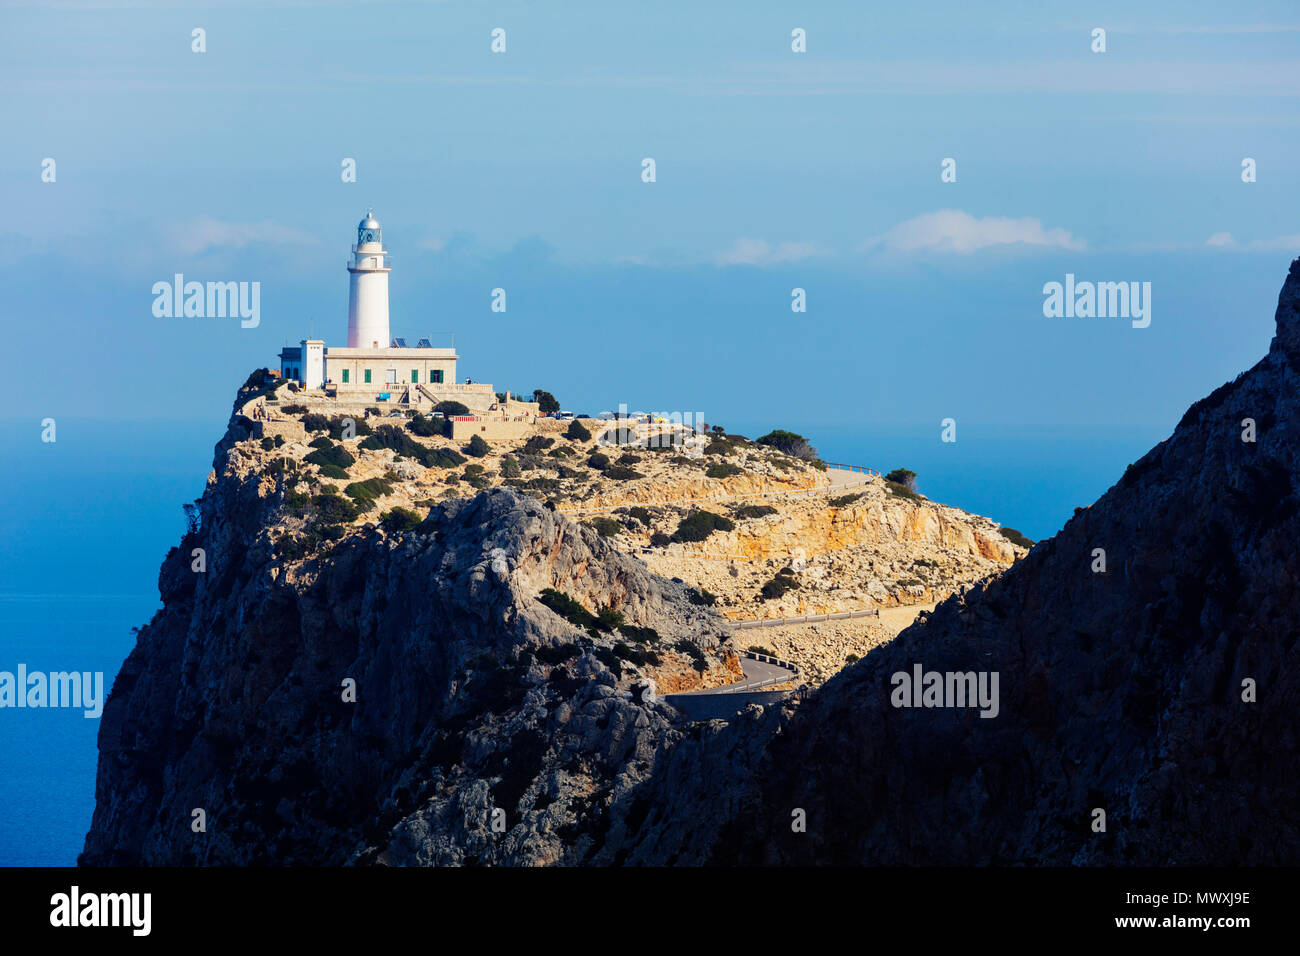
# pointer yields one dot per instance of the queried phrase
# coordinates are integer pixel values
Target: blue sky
(775, 170)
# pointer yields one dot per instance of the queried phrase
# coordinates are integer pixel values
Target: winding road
(723, 703)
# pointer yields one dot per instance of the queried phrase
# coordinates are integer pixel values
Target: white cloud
(951, 230)
(757, 252)
(205, 234)
(1224, 240)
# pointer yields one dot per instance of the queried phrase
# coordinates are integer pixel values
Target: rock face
(471, 695)
(1163, 690)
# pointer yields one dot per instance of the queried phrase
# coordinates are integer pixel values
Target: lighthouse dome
(368, 229)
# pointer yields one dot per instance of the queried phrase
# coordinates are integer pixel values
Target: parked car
(564, 416)
(394, 415)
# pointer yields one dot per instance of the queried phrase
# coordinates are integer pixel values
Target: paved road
(722, 703)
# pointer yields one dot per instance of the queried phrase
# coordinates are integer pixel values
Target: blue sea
(86, 521)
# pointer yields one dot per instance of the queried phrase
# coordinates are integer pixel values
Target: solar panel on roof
(399, 343)
(424, 344)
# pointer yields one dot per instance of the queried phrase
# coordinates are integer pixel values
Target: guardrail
(769, 659)
(840, 466)
(806, 618)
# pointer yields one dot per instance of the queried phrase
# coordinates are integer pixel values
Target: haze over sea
(91, 516)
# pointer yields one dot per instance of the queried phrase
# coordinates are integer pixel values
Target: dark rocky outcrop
(232, 701)
(1120, 690)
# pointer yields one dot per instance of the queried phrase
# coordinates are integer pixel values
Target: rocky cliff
(380, 701)
(1149, 707)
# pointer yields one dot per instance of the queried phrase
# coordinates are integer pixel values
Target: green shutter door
(367, 376)
(415, 376)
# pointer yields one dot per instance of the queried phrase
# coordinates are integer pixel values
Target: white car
(564, 416)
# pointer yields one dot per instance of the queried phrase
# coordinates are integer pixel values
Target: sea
(87, 519)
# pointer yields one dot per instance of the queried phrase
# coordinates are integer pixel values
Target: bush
(546, 402)
(743, 512)
(796, 446)
(851, 659)
(338, 422)
(295, 502)
(724, 469)
(557, 653)
(904, 477)
(391, 436)
(335, 455)
(902, 491)
(399, 520)
(641, 514)
(621, 473)
(333, 471)
(425, 427)
(267, 444)
(450, 408)
(659, 540)
(605, 527)
(295, 409)
(477, 447)
(599, 461)
(642, 635)
(569, 609)
(1015, 537)
(782, 582)
(843, 500)
(321, 442)
(577, 432)
(334, 509)
(510, 468)
(538, 443)
(560, 451)
(315, 422)
(369, 489)
(698, 525)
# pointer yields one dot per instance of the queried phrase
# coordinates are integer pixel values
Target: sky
(774, 171)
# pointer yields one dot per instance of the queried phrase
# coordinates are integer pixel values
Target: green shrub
(538, 443)
(1015, 537)
(369, 489)
(560, 451)
(339, 422)
(698, 525)
(425, 427)
(557, 653)
(315, 422)
(450, 409)
(321, 442)
(621, 473)
(796, 446)
(642, 635)
(743, 512)
(569, 609)
(334, 509)
(399, 520)
(782, 582)
(577, 432)
(510, 468)
(843, 500)
(902, 491)
(851, 659)
(335, 455)
(599, 461)
(477, 447)
(546, 402)
(295, 502)
(659, 540)
(904, 477)
(295, 409)
(391, 436)
(723, 469)
(333, 471)
(641, 514)
(605, 527)
(267, 444)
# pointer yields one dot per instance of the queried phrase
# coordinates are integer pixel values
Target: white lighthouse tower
(368, 292)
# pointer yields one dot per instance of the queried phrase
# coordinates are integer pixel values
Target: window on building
(391, 376)
(345, 376)
(415, 376)
(435, 377)
(367, 376)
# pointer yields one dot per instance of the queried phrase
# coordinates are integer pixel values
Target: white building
(374, 366)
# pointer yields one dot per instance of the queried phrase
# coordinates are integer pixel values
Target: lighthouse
(368, 288)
